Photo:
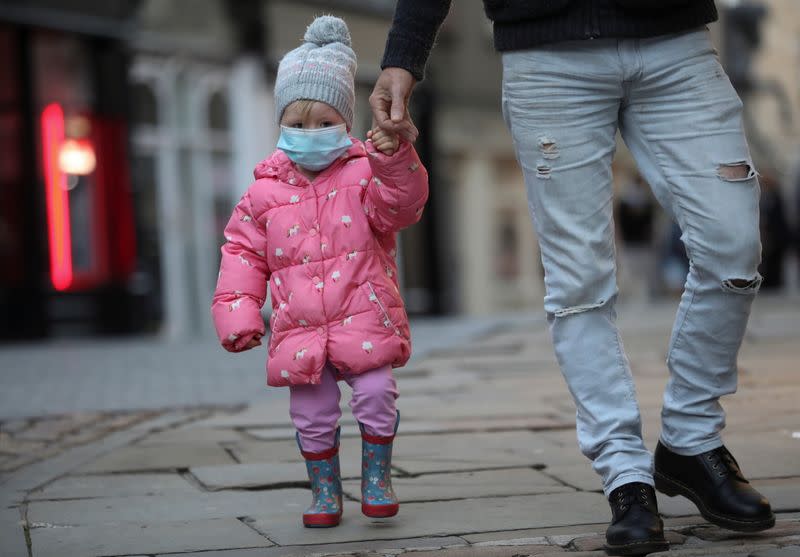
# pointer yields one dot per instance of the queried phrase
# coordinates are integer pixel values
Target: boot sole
(671, 488)
(321, 520)
(637, 548)
(380, 511)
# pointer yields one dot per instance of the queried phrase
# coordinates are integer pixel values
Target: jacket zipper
(387, 321)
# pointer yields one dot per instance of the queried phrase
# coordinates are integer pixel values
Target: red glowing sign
(76, 156)
(57, 198)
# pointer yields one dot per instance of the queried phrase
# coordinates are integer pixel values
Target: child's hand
(244, 342)
(385, 142)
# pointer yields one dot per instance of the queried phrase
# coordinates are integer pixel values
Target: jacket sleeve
(395, 196)
(242, 283)
(413, 32)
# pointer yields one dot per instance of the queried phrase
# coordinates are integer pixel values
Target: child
(319, 226)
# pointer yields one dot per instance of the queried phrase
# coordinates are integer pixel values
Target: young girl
(319, 226)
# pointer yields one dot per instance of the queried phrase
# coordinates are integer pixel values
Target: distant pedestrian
(575, 72)
(318, 225)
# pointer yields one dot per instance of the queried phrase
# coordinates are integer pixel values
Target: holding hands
(384, 141)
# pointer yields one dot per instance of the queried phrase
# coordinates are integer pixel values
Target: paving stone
(597, 542)
(466, 485)
(487, 424)
(475, 405)
(419, 454)
(13, 446)
(146, 509)
(145, 538)
(284, 433)
(562, 553)
(257, 474)
(443, 426)
(488, 551)
(782, 494)
(716, 551)
(275, 412)
(349, 429)
(561, 535)
(444, 518)
(140, 459)
(11, 463)
(192, 435)
(766, 454)
(261, 552)
(12, 534)
(782, 528)
(381, 547)
(115, 485)
(51, 429)
(14, 426)
(540, 540)
(578, 475)
(286, 452)
(788, 551)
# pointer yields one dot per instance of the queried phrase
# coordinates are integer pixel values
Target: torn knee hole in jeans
(572, 310)
(738, 171)
(549, 151)
(548, 148)
(543, 171)
(742, 286)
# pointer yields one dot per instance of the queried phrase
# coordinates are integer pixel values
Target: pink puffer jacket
(327, 248)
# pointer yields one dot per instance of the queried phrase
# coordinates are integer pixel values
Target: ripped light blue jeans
(681, 119)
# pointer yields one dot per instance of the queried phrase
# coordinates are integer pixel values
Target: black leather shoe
(714, 482)
(636, 528)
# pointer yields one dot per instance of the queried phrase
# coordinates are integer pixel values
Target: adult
(574, 72)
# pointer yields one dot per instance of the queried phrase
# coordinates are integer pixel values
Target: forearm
(413, 33)
(242, 281)
(398, 191)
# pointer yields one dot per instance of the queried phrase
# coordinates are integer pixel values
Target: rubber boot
(377, 496)
(326, 486)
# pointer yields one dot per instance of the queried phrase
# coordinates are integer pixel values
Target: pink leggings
(315, 409)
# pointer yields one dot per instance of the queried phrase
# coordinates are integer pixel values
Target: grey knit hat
(322, 69)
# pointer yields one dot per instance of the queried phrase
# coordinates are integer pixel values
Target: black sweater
(521, 24)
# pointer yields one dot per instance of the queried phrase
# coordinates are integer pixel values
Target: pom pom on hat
(327, 29)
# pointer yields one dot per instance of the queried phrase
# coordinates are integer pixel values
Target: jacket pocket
(381, 308)
(511, 11)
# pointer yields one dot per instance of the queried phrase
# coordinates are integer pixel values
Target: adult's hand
(389, 102)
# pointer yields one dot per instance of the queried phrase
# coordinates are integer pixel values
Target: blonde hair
(303, 105)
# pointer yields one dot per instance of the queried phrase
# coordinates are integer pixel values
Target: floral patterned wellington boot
(377, 496)
(326, 487)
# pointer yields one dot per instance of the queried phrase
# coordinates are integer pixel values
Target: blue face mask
(314, 149)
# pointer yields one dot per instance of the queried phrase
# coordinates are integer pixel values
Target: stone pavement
(486, 463)
(69, 376)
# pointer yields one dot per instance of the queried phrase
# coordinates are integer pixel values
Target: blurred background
(129, 129)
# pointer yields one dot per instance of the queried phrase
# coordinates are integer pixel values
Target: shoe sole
(380, 511)
(637, 548)
(671, 488)
(321, 520)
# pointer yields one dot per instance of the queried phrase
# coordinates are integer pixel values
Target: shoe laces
(723, 463)
(630, 494)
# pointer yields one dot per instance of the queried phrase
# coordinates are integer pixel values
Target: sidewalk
(486, 462)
